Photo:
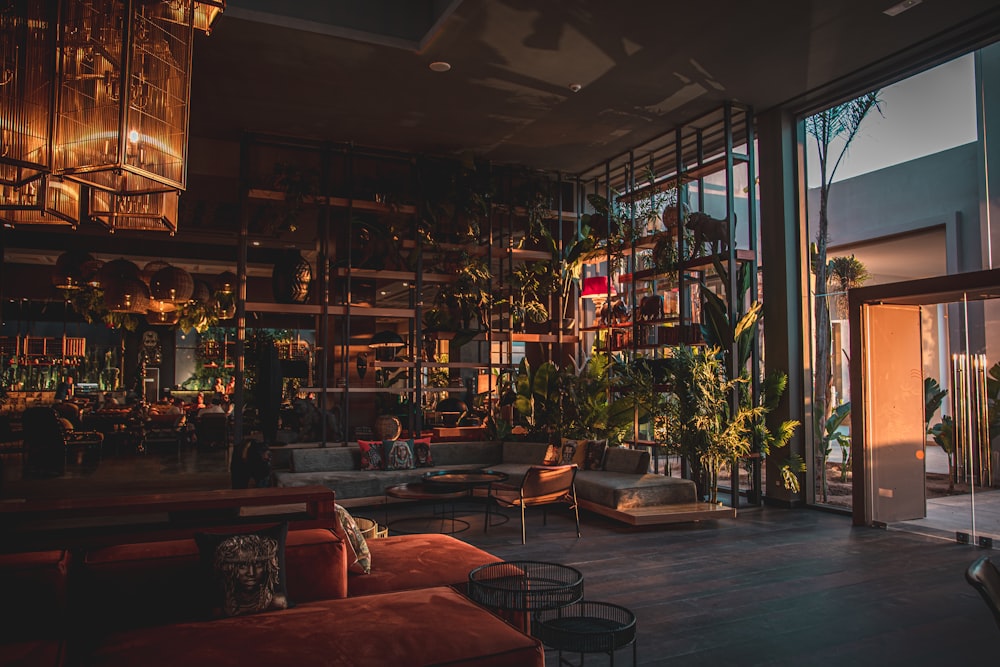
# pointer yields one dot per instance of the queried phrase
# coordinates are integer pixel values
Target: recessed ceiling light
(575, 87)
(255, 243)
(898, 9)
(440, 66)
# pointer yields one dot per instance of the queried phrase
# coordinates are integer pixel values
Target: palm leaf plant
(834, 130)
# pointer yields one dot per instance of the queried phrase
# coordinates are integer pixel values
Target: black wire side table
(586, 627)
(525, 586)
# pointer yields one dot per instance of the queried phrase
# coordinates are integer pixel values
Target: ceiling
(358, 71)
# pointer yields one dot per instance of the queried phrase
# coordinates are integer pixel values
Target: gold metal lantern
(124, 82)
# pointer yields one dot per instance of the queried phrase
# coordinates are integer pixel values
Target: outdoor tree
(834, 130)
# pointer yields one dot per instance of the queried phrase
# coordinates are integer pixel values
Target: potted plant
(530, 283)
(570, 259)
(709, 432)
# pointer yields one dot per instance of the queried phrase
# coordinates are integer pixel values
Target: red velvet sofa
(137, 604)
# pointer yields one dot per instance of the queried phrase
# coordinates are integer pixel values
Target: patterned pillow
(422, 452)
(372, 454)
(246, 570)
(573, 451)
(399, 455)
(594, 456)
(359, 558)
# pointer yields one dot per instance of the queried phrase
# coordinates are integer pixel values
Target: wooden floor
(771, 587)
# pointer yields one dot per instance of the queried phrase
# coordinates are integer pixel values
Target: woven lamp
(151, 268)
(72, 268)
(202, 292)
(171, 284)
(117, 271)
(128, 295)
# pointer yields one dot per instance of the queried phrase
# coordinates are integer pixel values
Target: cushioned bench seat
(619, 490)
(401, 628)
(418, 561)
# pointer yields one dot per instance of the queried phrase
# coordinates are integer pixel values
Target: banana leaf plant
(535, 398)
(832, 434)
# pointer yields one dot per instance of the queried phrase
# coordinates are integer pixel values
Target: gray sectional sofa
(623, 489)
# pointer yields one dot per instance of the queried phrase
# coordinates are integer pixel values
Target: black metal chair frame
(541, 486)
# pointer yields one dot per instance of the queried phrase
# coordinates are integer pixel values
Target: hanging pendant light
(73, 269)
(127, 296)
(30, 194)
(154, 212)
(172, 285)
(122, 111)
(44, 200)
(27, 86)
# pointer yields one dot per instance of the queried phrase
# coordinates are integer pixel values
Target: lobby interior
(566, 88)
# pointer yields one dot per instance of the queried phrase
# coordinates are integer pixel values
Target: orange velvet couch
(138, 604)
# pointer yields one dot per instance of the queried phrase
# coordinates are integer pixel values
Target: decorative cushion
(422, 452)
(594, 456)
(372, 454)
(246, 570)
(552, 455)
(399, 455)
(573, 451)
(621, 459)
(359, 558)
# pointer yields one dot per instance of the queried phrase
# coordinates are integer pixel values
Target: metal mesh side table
(587, 627)
(525, 586)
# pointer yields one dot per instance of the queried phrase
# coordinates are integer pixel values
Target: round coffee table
(525, 586)
(587, 627)
(467, 480)
(419, 491)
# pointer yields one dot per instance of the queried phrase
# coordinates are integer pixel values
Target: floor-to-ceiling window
(907, 198)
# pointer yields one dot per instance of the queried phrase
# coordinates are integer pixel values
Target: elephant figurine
(612, 312)
(707, 229)
(651, 307)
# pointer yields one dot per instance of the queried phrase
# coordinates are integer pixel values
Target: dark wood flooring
(771, 587)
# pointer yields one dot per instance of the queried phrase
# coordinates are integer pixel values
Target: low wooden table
(467, 480)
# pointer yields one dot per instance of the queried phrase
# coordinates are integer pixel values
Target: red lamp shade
(597, 287)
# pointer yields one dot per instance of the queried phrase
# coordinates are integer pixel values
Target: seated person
(176, 407)
(110, 402)
(214, 408)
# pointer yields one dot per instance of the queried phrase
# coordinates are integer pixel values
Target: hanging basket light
(116, 272)
(72, 269)
(202, 292)
(129, 295)
(151, 268)
(171, 284)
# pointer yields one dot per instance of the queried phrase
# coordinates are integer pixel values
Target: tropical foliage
(834, 130)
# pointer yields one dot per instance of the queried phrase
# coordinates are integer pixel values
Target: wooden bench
(90, 522)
